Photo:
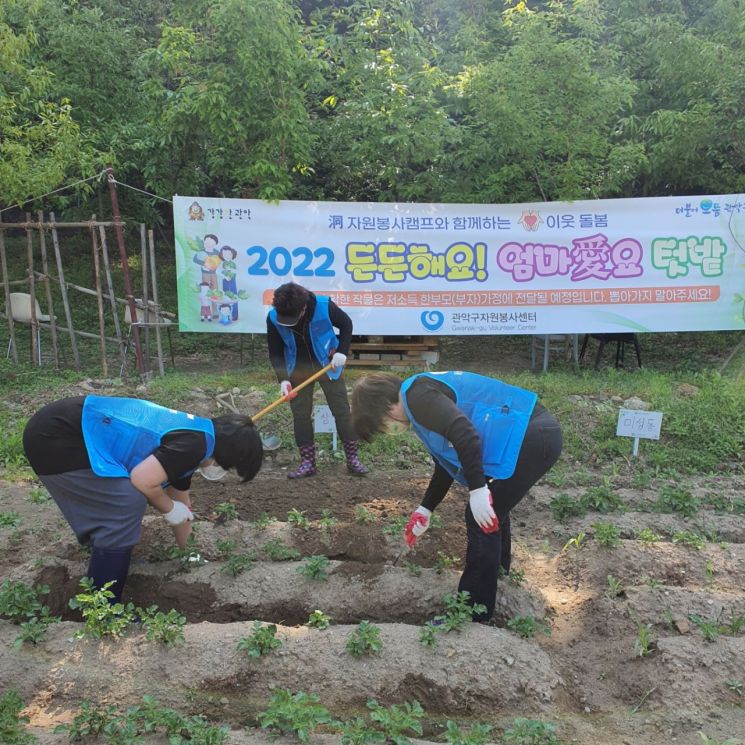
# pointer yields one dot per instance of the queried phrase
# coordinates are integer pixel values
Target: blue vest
(119, 433)
(322, 337)
(499, 412)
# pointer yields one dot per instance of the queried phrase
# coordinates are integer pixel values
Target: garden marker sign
(639, 424)
(323, 421)
(658, 264)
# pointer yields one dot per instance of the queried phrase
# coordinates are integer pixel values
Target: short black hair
(372, 396)
(290, 299)
(238, 445)
(210, 235)
(228, 248)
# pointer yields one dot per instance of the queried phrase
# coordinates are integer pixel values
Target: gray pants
(104, 513)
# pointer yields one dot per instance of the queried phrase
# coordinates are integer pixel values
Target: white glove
(179, 514)
(285, 387)
(417, 525)
(482, 509)
(338, 360)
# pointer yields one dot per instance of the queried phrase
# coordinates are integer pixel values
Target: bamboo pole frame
(6, 286)
(110, 287)
(145, 293)
(63, 291)
(35, 340)
(99, 302)
(48, 291)
(158, 340)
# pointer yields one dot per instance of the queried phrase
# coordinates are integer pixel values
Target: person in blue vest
(491, 437)
(104, 459)
(302, 340)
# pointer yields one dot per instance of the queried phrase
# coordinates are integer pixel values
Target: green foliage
(298, 519)
(413, 569)
(263, 521)
(478, 734)
(647, 535)
(298, 714)
(20, 604)
(677, 499)
(9, 519)
(396, 720)
(643, 645)
(443, 562)
(363, 516)
(262, 641)
(615, 587)
(39, 495)
(278, 551)
(163, 627)
(359, 731)
(576, 542)
(530, 732)
(736, 687)
(458, 612)
(236, 564)
(528, 626)
(327, 520)
(318, 620)
(315, 567)
(603, 498)
(102, 618)
(12, 724)
(364, 640)
(607, 534)
(563, 507)
(516, 577)
(226, 511)
(689, 538)
(395, 527)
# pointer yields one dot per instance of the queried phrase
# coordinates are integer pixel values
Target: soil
(585, 676)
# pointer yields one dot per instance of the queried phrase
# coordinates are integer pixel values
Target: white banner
(657, 264)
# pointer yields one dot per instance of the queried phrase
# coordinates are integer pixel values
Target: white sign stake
(323, 421)
(639, 424)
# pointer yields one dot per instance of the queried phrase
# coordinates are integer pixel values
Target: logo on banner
(530, 220)
(432, 319)
(196, 212)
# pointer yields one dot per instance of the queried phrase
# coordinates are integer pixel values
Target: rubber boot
(354, 464)
(307, 465)
(107, 565)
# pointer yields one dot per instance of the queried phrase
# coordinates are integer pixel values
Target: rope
(62, 188)
(142, 191)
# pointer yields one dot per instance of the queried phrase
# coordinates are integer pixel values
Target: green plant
(363, 516)
(318, 620)
(395, 527)
(364, 640)
(89, 722)
(427, 634)
(413, 569)
(458, 612)
(678, 499)
(226, 511)
(39, 495)
(563, 507)
(12, 724)
(226, 548)
(9, 519)
(238, 563)
(527, 626)
(647, 535)
(576, 543)
(263, 521)
(653, 582)
(642, 479)
(478, 734)
(296, 714)
(709, 627)
(688, 538)
(516, 577)
(607, 534)
(315, 567)
(102, 618)
(278, 551)
(359, 731)
(435, 521)
(163, 627)
(34, 630)
(643, 643)
(327, 520)
(395, 720)
(19, 601)
(443, 562)
(735, 624)
(736, 687)
(262, 641)
(602, 498)
(530, 732)
(298, 519)
(711, 741)
(615, 587)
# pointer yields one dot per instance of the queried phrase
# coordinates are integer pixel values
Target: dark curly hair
(372, 396)
(238, 445)
(290, 299)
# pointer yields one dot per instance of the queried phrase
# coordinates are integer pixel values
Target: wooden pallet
(418, 352)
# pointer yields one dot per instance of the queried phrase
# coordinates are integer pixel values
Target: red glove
(417, 525)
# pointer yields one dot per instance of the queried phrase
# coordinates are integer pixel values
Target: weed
(516, 577)
(642, 480)
(363, 516)
(736, 624)
(443, 562)
(12, 724)
(556, 477)
(643, 645)
(395, 527)
(427, 635)
(709, 571)
(226, 511)
(607, 534)
(688, 538)
(478, 734)
(397, 719)
(278, 551)
(358, 731)
(263, 521)
(318, 620)
(711, 741)
(435, 521)
(653, 583)
(297, 714)
(262, 641)
(563, 507)
(530, 732)
(364, 640)
(414, 569)
(163, 627)
(602, 498)
(669, 622)
(238, 563)
(677, 499)
(648, 536)
(39, 495)
(9, 519)
(576, 543)
(102, 618)
(327, 520)
(615, 587)
(298, 519)
(527, 626)
(225, 548)
(315, 568)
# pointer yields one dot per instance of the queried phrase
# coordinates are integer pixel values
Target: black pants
(485, 552)
(302, 409)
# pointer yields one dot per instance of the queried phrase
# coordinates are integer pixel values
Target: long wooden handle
(274, 405)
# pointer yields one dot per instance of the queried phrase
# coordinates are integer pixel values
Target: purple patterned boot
(307, 465)
(354, 464)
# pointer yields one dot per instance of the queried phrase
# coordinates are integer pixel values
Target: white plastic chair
(20, 309)
(146, 319)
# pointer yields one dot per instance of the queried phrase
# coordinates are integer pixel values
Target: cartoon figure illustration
(205, 313)
(228, 271)
(209, 260)
(196, 212)
(226, 313)
(530, 220)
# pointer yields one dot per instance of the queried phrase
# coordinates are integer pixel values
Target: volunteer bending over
(489, 436)
(104, 459)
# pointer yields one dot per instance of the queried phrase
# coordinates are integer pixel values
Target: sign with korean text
(643, 424)
(323, 421)
(657, 264)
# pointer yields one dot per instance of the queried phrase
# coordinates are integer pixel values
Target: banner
(657, 264)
